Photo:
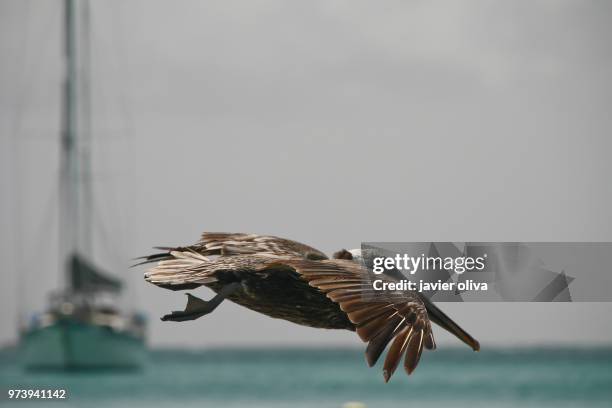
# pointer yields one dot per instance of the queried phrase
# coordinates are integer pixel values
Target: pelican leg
(197, 307)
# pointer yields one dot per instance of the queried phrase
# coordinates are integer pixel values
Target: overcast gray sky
(328, 122)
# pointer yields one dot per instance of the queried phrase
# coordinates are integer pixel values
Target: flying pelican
(288, 280)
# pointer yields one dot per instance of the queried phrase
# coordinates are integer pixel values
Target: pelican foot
(197, 307)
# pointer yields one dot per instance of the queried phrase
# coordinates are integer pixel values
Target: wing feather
(372, 312)
(369, 330)
(228, 244)
(415, 348)
(400, 317)
(395, 352)
(378, 344)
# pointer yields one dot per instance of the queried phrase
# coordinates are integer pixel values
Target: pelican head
(353, 254)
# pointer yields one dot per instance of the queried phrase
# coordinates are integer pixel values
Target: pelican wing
(379, 317)
(228, 244)
(189, 269)
(234, 244)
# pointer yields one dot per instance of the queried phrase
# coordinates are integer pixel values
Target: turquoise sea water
(330, 378)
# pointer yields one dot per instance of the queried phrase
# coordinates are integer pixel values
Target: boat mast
(86, 221)
(75, 189)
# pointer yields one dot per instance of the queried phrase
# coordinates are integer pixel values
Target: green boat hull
(70, 344)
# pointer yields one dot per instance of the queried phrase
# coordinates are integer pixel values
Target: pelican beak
(441, 319)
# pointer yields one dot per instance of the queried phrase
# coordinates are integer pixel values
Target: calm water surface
(331, 378)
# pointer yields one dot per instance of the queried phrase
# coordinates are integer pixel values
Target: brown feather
(395, 352)
(377, 345)
(429, 342)
(354, 305)
(370, 329)
(333, 279)
(344, 297)
(365, 315)
(341, 285)
(413, 354)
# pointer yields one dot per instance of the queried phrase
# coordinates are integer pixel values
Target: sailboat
(82, 327)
